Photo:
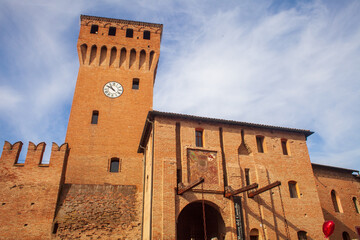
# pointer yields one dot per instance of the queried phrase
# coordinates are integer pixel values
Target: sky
(293, 64)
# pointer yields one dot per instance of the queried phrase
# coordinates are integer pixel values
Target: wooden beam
(261, 190)
(240, 190)
(190, 186)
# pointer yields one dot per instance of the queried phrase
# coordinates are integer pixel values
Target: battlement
(34, 156)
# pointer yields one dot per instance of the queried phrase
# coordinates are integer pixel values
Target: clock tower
(113, 94)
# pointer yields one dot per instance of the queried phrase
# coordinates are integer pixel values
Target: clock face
(113, 89)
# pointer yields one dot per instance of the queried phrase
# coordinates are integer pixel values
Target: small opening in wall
(25, 224)
(247, 176)
(114, 165)
(112, 31)
(284, 146)
(94, 29)
(293, 189)
(136, 83)
(199, 137)
(3, 203)
(146, 35)
(32, 203)
(95, 117)
(129, 33)
(260, 143)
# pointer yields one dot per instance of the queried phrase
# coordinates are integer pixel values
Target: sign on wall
(202, 164)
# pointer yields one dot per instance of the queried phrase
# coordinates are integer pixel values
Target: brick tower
(113, 94)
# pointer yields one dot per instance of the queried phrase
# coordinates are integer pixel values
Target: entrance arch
(190, 223)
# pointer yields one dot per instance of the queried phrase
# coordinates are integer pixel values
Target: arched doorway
(190, 224)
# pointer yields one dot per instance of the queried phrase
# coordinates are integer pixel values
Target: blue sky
(283, 63)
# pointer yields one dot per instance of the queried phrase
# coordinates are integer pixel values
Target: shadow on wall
(339, 227)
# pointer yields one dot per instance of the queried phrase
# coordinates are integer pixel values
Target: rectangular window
(94, 29)
(135, 84)
(247, 176)
(114, 165)
(260, 142)
(199, 137)
(129, 33)
(293, 189)
(146, 35)
(284, 146)
(112, 31)
(95, 117)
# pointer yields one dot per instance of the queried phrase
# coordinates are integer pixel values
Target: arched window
(356, 205)
(293, 189)
(302, 235)
(345, 236)
(114, 165)
(254, 234)
(336, 202)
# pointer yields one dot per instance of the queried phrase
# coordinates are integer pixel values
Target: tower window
(199, 137)
(146, 35)
(95, 117)
(114, 165)
(94, 29)
(260, 142)
(112, 31)
(284, 146)
(135, 84)
(293, 189)
(129, 33)
(247, 176)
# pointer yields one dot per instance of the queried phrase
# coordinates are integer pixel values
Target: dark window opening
(260, 142)
(56, 226)
(146, 35)
(302, 235)
(293, 189)
(247, 176)
(94, 29)
(129, 33)
(136, 83)
(335, 201)
(95, 117)
(112, 31)
(284, 146)
(345, 236)
(199, 137)
(356, 204)
(114, 165)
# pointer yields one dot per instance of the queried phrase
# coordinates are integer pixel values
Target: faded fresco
(202, 164)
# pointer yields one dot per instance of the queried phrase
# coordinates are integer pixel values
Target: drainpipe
(143, 196)
(152, 173)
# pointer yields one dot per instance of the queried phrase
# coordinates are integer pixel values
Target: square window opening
(146, 35)
(112, 31)
(94, 29)
(129, 33)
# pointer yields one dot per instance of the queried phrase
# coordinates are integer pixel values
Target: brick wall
(29, 191)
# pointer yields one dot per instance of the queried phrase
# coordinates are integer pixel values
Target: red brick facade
(103, 184)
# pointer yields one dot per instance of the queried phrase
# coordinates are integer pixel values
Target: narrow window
(260, 142)
(356, 204)
(114, 165)
(129, 33)
(345, 236)
(336, 201)
(247, 176)
(94, 29)
(199, 137)
(112, 31)
(95, 117)
(284, 146)
(302, 235)
(146, 35)
(136, 83)
(293, 189)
